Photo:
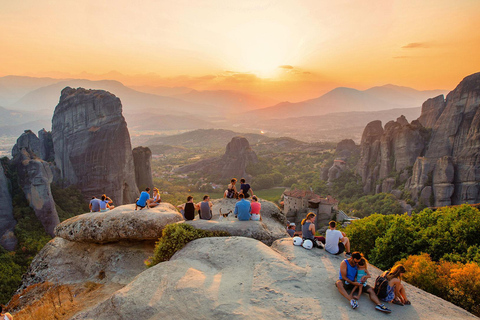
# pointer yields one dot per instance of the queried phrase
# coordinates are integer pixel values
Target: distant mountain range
(348, 100)
(337, 114)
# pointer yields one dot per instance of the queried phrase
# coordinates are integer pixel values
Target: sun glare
(261, 47)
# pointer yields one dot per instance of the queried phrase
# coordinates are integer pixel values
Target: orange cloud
(416, 45)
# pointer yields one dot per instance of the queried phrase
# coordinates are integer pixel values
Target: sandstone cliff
(436, 156)
(142, 158)
(92, 144)
(7, 221)
(35, 177)
(238, 155)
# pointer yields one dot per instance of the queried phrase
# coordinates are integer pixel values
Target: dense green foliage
(175, 237)
(29, 231)
(384, 203)
(450, 234)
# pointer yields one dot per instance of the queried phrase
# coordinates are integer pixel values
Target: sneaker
(354, 303)
(320, 244)
(382, 308)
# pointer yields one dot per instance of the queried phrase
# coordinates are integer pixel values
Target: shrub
(175, 237)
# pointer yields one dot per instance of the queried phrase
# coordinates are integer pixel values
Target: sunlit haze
(286, 50)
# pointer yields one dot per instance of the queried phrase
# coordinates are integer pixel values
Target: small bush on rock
(175, 237)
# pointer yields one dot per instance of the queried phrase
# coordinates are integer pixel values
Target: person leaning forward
(346, 281)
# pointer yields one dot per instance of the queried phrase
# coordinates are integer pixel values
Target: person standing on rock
(243, 209)
(336, 242)
(346, 281)
(142, 202)
(6, 315)
(205, 208)
(245, 189)
(94, 204)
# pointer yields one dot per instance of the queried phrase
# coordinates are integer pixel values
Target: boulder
(271, 228)
(92, 145)
(346, 148)
(443, 194)
(65, 262)
(142, 159)
(121, 223)
(7, 221)
(35, 177)
(241, 278)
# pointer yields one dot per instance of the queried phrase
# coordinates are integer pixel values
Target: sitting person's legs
(341, 248)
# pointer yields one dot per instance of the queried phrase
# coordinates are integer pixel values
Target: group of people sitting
(101, 205)
(244, 210)
(144, 201)
(354, 272)
(232, 192)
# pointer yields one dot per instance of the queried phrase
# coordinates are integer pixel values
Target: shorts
(341, 248)
(349, 286)
(103, 210)
(255, 217)
(141, 206)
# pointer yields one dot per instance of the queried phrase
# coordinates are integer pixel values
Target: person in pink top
(256, 206)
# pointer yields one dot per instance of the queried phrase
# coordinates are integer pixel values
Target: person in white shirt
(336, 242)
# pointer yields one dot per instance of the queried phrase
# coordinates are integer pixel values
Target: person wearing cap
(291, 229)
(346, 281)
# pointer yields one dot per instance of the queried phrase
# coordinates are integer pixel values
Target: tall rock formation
(142, 158)
(92, 144)
(35, 177)
(238, 155)
(7, 221)
(441, 148)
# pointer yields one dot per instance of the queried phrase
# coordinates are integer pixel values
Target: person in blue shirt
(242, 209)
(142, 201)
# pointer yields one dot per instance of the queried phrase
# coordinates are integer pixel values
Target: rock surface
(241, 278)
(142, 159)
(92, 144)
(271, 228)
(121, 223)
(7, 221)
(35, 177)
(64, 262)
(238, 155)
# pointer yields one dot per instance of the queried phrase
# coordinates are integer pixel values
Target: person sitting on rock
(94, 204)
(155, 200)
(308, 231)
(255, 209)
(106, 203)
(346, 281)
(205, 208)
(395, 290)
(231, 191)
(245, 189)
(242, 209)
(142, 201)
(336, 242)
(6, 315)
(291, 229)
(188, 209)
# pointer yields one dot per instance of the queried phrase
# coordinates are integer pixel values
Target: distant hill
(348, 99)
(227, 101)
(162, 91)
(209, 139)
(13, 88)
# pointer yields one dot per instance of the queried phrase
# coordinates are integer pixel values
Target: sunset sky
(289, 50)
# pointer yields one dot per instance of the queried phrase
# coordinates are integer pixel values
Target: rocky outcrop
(92, 144)
(142, 159)
(46, 146)
(443, 146)
(121, 223)
(238, 155)
(271, 228)
(7, 221)
(35, 177)
(241, 278)
(64, 262)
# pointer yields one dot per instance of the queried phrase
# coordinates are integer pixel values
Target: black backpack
(381, 284)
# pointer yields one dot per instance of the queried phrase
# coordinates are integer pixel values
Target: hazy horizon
(278, 49)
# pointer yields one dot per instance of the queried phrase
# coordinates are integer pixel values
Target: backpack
(381, 284)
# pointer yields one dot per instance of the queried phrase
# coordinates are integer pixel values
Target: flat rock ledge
(121, 223)
(267, 231)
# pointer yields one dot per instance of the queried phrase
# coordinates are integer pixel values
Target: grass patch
(175, 237)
